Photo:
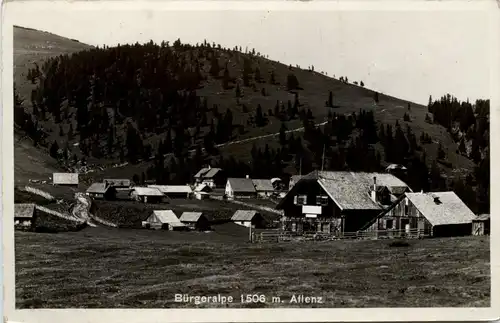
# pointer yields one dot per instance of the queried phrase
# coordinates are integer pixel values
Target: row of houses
(168, 220)
(378, 203)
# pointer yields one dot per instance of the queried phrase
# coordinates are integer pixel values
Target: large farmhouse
(213, 177)
(240, 188)
(336, 202)
(427, 214)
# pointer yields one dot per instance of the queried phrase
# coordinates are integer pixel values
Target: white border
(239, 315)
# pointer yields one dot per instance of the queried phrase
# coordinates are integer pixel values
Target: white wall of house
(209, 182)
(229, 191)
(244, 223)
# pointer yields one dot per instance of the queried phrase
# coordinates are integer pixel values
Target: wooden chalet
(263, 187)
(240, 188)
(196, 220)
(147, 195)
(338, 202)
(434, 214)
(249, 218)
(101, 191)
(174, 191)
(24, 215)
(164, 219)
(213, 177)
(65, 179)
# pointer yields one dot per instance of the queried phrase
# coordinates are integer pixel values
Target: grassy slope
(31, 46)
(143, 268)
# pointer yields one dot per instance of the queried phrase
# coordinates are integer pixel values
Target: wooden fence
(281, 236)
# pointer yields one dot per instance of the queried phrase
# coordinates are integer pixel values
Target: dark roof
(243, 185)
(244, 215)
(24, 210)
(98, 188)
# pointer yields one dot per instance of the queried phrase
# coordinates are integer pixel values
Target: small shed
(196, 220)
(101, 191)
(66, 179)
(174, 191)
(264, 187)
(249, 218)
(147, 195)
(163, 219)
(24, 215)
(240, 188)
(481, 225)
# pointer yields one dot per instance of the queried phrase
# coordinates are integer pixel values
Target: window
(300, 199)
(322, 200)
(406, 209)
(389, 224)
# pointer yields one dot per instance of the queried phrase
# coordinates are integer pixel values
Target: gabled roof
(117, 182)
(24, 210)
(98, 188)
(65, 178)
(350, 190)
(167, 216)
(263, 185)
(242, 185)
(147, 191)
(202, 188)
(166, 189)
(395, 167)
(207, 172)
(244, 215)
(192, 216)
(449, 209)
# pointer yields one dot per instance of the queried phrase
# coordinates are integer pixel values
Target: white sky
(405, 53)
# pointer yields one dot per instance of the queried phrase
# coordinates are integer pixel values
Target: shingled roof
(244, 215)
(263, 185)
(441, 208)
(192, 216)
(24, 210)
(350, 190)
(147, 191)
(242, 185)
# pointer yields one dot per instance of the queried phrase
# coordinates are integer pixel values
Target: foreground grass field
(102, 268)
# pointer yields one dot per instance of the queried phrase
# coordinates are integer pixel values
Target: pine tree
(330, 99)
(282, 135)
(259, 117)
(54, 150)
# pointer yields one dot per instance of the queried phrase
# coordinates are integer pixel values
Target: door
(405, 225)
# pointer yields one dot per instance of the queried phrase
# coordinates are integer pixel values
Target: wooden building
(174, 191)
(434, 214)
(338, 202)
(65, 179)
(101, 191)
(481, 225)
(164, 219)
(237, 188)
(196, 220)
(293, 180)
(118, 183)
(24, 216)
(202, 191)
(263, 187)
(249, 218)
(147, 195)
(213, 177)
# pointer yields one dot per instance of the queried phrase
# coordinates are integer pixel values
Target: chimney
(247, 176)
(374, 183)
(209, 166)
(436, 200)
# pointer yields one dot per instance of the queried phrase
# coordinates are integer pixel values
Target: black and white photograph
(258, 158)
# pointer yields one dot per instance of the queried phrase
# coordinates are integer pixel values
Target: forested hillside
(166, 107)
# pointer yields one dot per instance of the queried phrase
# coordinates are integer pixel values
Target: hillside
(132, 102)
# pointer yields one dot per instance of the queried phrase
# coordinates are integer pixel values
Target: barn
(240, 188)
(481, 225)
(434, 214)
(249, 218)
(65, 179)
(24, 215)
(147, 195)
(337, 202)
(196, 220)
(174, 191)
(118, 183)
(163, 219)
(101, 191)
(263, 187)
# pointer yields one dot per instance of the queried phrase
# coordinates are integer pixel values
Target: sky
(410, 54)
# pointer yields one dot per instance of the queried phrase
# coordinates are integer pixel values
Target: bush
(399, 243)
